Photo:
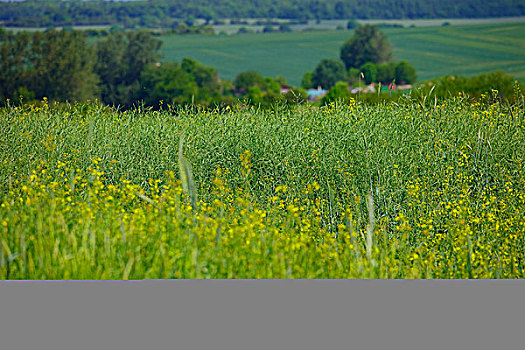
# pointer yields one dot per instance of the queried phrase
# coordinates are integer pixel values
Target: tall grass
(401, 190)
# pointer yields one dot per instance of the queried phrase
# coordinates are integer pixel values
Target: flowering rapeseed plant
(343, 191)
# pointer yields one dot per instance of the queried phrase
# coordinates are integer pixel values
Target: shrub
(340, 91)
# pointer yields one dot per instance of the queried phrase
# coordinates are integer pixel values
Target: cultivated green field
(434, 51)
(416, 189)
(333, 24)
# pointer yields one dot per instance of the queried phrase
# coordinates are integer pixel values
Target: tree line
(164, 13)
(120, 69)
(123, 68)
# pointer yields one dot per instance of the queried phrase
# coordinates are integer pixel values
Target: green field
(434, 51)
(415, 189)
(333, 24)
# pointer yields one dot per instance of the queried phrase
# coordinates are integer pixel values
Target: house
(398, 87)
(364, 90)
(404, 87)
(285, 89)
(316, 94)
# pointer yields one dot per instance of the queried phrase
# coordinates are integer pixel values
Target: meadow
(433, 50)
(415, 189)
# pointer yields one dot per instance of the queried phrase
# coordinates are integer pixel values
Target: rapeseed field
(420, 188)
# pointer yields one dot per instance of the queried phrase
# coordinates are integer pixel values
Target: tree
(386, 72)
(306, 82)
(14, 58)
(245, 80)
(243, 30)
(168, 82)
(272, 85)
(207, 14)
(53, 64)
(368, 44)
(405, 73)
(206, 78)
(254, 95)
(369, 71)
(352, 24)
(281, 80)
(160, 13)
(190, 21)
(328, 72)
(121, 59)
(61, 66)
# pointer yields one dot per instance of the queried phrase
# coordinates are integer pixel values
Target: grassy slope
(434, 51)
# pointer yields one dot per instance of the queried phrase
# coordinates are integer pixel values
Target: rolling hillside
(434, 51)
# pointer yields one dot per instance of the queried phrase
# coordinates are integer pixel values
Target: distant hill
(166, 13)
(433, 51)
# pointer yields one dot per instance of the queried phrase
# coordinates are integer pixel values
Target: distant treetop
(368, 44)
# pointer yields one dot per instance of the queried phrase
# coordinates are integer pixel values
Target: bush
(296, 96)
(476, 86)
(339, 91)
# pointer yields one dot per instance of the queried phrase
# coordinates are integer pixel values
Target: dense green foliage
(121, 59)
(306, 82)
(416, 189)
(386, 72)
(405, 73)
(246, 80)
(178, 84)
(364, 54)
(369, 71)
(328, 72)
(339, 92)
(55, 64)
(166, 13)
(475, 86)
(399, 72)
(122, 69)
(62, 66)
(368, 44)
